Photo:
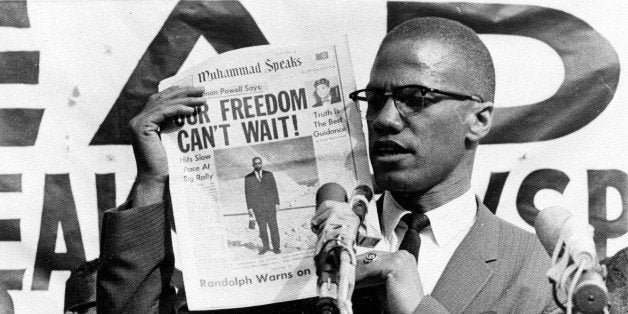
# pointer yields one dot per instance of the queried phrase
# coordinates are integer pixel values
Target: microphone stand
(566, 273)
(336, 277)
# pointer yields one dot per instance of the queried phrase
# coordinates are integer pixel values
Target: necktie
(411, 241)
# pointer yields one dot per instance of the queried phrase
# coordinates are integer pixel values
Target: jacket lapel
(470, 267)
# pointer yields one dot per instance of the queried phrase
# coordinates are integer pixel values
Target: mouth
(389, 150)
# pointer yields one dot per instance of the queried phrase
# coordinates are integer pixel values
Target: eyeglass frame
(423, 89)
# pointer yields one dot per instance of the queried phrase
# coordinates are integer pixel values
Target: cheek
(439, 138)
(371, 135)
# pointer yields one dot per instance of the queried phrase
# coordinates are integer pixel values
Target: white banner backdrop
(72, 74)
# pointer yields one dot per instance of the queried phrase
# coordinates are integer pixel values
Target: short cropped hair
(321, 81)
(468, 46)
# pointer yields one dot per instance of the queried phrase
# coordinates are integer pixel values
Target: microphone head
(548, 225)
(331, 191)
(363, 190)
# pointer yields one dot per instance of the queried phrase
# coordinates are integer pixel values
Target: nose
(388, 119)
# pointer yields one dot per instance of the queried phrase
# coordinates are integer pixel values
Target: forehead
(425, 62)
(257, 161)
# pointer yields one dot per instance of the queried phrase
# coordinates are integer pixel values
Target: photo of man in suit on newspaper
(262, 199)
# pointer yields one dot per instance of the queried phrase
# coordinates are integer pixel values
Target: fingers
(187, 101)
(322, 212)
(399, 275)
(179, 91)
(369, 269)
(176, 110)
(156, 111)
(331, 208)
(378, 265)
(334, 220)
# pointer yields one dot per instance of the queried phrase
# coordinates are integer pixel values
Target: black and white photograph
(313, 156)
(268, 192)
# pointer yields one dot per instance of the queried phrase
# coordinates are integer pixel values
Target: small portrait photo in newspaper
(326, 92)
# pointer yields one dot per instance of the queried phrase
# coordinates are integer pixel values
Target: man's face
(415, 153)
(322, 90)
(257, 164)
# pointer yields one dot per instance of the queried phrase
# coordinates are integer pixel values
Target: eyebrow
(371, 86)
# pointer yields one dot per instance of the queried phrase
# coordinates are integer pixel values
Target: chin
(396, 181)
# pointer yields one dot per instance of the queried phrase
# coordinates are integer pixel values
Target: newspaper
(289, 107)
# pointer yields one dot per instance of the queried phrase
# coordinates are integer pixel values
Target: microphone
(362, 196)
(570, 243)
(330, 191)
(335, 261)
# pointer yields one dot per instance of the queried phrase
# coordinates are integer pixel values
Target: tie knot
(416, 221)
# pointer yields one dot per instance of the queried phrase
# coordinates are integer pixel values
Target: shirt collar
(458, 215)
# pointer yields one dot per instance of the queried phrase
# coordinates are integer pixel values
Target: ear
(479, 120)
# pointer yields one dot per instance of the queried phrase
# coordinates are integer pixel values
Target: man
(262, 200)
(323, 93)
(429, 104)
(429, 101)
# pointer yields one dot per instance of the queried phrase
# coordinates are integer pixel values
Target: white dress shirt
(449, 224)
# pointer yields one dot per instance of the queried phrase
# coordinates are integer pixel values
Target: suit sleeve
(273, 186)
(136, 261)
(430, 305)
(247, 193)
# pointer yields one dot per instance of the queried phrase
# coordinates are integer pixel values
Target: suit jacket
(497, 267)
(261, 196)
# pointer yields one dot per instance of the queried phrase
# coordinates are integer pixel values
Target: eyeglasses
(408, 99)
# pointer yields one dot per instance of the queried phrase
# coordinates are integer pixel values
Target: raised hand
(150, 155)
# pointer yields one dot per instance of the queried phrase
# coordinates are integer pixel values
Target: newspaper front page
(286, 108)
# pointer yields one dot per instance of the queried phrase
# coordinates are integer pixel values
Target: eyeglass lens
(409, 100)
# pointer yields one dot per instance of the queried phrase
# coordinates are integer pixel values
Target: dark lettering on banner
(11, 182)
(17, 67)
(225, 24)
(14, 14)
(590, 61)
(10, 230)
(19, 127)
(599, 181)
(534, 182)
(10, 279)
(59, 209)
(494, 191)
(105, 194)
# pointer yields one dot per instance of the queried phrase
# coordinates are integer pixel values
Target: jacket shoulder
(513, 240)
